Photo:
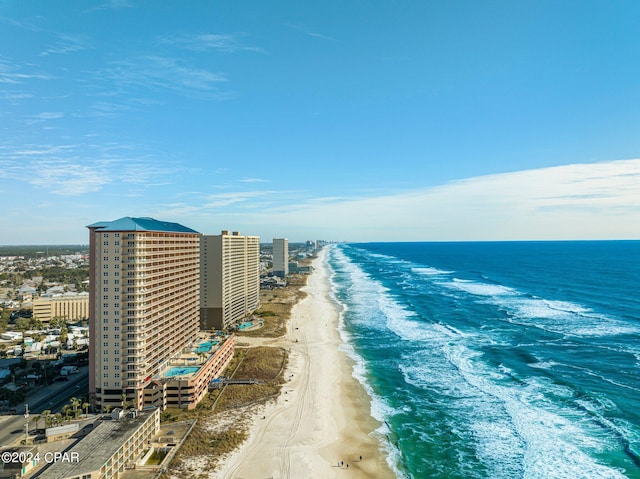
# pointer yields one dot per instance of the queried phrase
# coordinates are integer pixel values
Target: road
(12, 427)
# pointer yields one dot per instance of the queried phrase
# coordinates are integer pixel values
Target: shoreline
(323, 414)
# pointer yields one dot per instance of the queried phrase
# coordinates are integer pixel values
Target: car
(61, 379)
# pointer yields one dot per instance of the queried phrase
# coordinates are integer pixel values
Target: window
(116, 384)
(116, 336)
(105, 281)
(116, 375)
(105, 297)
(105, 258)
(105, 266)
(117, 258)
(117, 368)
(105, 367)
(117, 290)
(105, 328)
(105, 345)
(105, 375)
(106, 273)
(105, 384)
(117, 281)
(105, 320)
(105, 290)
(105, 305)
(117, 235)
(105, 243)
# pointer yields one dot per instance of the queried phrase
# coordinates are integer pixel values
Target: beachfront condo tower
(144, 303)
(281, 257)
(230, 285)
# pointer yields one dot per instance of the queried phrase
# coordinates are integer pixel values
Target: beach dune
(320, 425)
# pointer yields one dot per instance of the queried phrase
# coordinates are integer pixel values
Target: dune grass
(207, 443)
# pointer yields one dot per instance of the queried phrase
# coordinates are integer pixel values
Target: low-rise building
(110, 448)
(69, 306)
(185, 383)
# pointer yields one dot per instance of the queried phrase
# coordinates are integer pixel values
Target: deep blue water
(498, 360)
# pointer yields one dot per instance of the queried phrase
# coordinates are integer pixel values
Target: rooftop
(128, 223)
(98, 446)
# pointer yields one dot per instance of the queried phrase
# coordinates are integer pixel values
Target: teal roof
(140, 224)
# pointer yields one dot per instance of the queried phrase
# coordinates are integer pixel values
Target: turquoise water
(205, 347)
(498, 360)
(245, 325)
(180, 371)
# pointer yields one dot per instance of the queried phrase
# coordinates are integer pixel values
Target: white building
(230, 278)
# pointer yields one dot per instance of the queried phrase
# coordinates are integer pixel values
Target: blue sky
(346, 120)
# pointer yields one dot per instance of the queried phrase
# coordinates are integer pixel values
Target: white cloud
(581, 201)
(254, 180)
(223, 42)
(164, 73)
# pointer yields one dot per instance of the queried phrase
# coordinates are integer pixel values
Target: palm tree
(47, 419)
(66, 409)
(75, 403)
(85, 406)
(36, 419)
(57, 418)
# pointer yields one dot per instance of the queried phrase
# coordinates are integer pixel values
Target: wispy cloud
(74, 170)
(222, 42)
(48, 115)
(66, 44)
(309, 32)
(11, 73)
(112, 5)
(68, 178)
(254, 180)
(165, 73)
(222, 200)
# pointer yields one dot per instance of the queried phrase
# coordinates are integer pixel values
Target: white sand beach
(322, 416)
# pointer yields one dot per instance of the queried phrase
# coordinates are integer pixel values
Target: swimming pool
(180, 371)
(205, 347)
(245, 325)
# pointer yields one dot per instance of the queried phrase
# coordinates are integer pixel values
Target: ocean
(497, 359)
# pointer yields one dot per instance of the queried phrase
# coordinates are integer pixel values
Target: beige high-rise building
(68, 306)
(144, 303)
(281, 257)
(230, 286)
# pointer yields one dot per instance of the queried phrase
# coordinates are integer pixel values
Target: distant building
(144, 304)
(70, 306)
(230, 282)
(280, 257)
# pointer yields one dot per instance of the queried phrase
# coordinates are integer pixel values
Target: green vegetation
(39, 251)
(276, 308)
(156, 458)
